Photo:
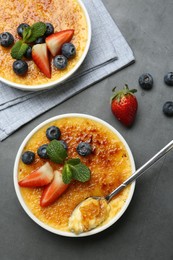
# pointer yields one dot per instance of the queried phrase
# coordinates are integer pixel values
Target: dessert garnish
(84, 149)
(124, 105)
(29, 35)
(53, 132)
(41, 58)
(55, 41)
(6, 39)
(42, 151)
(39, 177)
(55, 182)
(75, 169)
(56, 152)
(36, 42)
(68, 50)
(20, 67)
(53, 190)
(28, 157)
(60, 62)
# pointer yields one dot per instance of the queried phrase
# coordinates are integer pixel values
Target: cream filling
(88, 215)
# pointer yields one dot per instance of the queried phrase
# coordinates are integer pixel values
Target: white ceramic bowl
(45, 226)
(65, 77)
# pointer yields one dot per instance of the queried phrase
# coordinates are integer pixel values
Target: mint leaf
(26, 33)
(74, 169)
(73, 161)
(38, 29)
(56, 152)
(81, 172)
(18, 50)
(66, 174)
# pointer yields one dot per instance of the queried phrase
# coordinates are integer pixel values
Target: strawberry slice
(41, 58)
(39, 177)
(55, 41)
(53, 190)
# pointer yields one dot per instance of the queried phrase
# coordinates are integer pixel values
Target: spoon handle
(142, 169)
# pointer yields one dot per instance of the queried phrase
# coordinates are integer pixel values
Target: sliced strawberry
(53, 190)
(55, 41)
(41, 58)
(39, 177)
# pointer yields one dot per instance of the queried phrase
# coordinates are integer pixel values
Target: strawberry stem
(120, 94)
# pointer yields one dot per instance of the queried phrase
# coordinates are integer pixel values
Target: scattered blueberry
(20, 67)
(146, 81)
(53, 132)
(168, 108)
(28, 53)
(68, 50)
(40, 40)
(21, 27)
(6, 39)
(60, 62)
(64, 144)
(42, 153)
(49, 29)
(169, 79)
(84, 149)
(28, 157)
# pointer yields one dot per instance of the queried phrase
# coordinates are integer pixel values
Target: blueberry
(28, 53)
(40, 40)
(21, 27)
(64, 144)
(53, 132)
(42, 153)
(49, 29)
(146, 81)
(28, 157)
(68, 50)
(84, 149)
(168, 108)
(169, 79)
(20, 67)
(6, 39)
(60, 62)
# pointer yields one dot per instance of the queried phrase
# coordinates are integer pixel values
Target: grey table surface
(145, 231)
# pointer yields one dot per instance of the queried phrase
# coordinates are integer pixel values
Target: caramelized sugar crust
(62, 14)
(109, 164)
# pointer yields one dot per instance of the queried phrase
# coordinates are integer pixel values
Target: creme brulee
(109, 164)
(62, 14)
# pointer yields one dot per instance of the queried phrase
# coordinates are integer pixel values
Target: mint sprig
(56, 152)
(37, 30)
(75, 169)
(18, 50)
(30, 34)
(27, 31)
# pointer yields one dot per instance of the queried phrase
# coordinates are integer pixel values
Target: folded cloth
(108, 53)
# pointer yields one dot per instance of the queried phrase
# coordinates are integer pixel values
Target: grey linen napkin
(108, 53)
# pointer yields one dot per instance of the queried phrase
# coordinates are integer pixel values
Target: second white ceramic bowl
(65, 77)
(30, 214)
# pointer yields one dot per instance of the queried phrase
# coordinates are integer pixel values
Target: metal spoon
(133, 177)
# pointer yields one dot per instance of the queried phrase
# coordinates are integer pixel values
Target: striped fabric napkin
(108, 53)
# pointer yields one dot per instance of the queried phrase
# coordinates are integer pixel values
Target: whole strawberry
(124, 105)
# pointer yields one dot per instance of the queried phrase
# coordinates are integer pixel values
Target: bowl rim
(39, 222)
(66, 76)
